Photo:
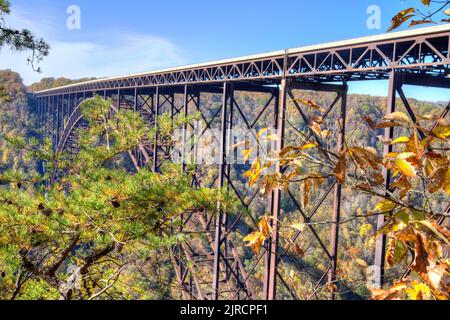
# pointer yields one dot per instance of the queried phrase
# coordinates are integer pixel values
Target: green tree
(75, 238)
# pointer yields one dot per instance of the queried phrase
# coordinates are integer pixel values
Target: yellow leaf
(442, 131)
(419, 291)
(365, 229)
(262, 131)
(447, 182)
(361, 263)
(308, 146)
(405, 167)
(299, 226)
(255, 240)
(400, 140)
(398, 116)
(385, 206)
(264, 227)
(246, 153)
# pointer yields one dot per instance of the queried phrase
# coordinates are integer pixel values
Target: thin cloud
(111, 54)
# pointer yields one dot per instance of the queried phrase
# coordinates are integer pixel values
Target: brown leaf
(401, 17)
(310, 103)
(306, 188)
(439, 231)
(421, 255)
(419, 22)
(390, 252)
(298, 250)
(339, 171)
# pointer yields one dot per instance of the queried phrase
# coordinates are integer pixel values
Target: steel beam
(155, 147)
(380, 250)
(334, 237)
(227, 92)
(272, 261)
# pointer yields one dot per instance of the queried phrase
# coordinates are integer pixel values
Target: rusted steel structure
(417, 57)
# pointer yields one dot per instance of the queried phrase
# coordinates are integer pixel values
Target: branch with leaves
(21, 40)
(420, 167)
(419, 16)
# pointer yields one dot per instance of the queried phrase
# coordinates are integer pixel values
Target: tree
(75, 238)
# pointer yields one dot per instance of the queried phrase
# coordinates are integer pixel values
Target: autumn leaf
(400, 140)
(339, 171)
(439, 231)
(365, 229)
(298, 250)
(390, 252)
(421, 262)
(299, 226)
(398, 116)
(442, 131)
(310, 103)
(365, 157)
(254, 173)
(419, 22)
(418, 291)
(385, 206)
(264, 227)
(447, 182)
(401, 17)
(361, 263)
(306, 187)
(262, 131)
(256, 239)
(405, 167)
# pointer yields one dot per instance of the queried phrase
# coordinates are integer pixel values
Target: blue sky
(120, 37)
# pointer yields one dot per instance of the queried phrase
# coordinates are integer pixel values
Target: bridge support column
(220, 218)
(334, 237)
(156, 110)
(271, 258)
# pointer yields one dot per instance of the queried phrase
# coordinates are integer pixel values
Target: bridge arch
(76, 117)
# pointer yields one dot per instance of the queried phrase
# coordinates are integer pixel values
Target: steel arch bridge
(418, 57)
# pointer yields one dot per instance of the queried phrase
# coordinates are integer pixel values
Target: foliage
(420, 167)
(75, 238)
(49, 83)
(21, 40)
(433, 8)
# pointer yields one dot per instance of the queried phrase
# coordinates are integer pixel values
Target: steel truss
(210, 265)
(427, 53)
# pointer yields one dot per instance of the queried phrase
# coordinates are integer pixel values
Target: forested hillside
(17, 116)
(49, 83)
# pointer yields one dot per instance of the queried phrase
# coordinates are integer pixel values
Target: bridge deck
(424, 50)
